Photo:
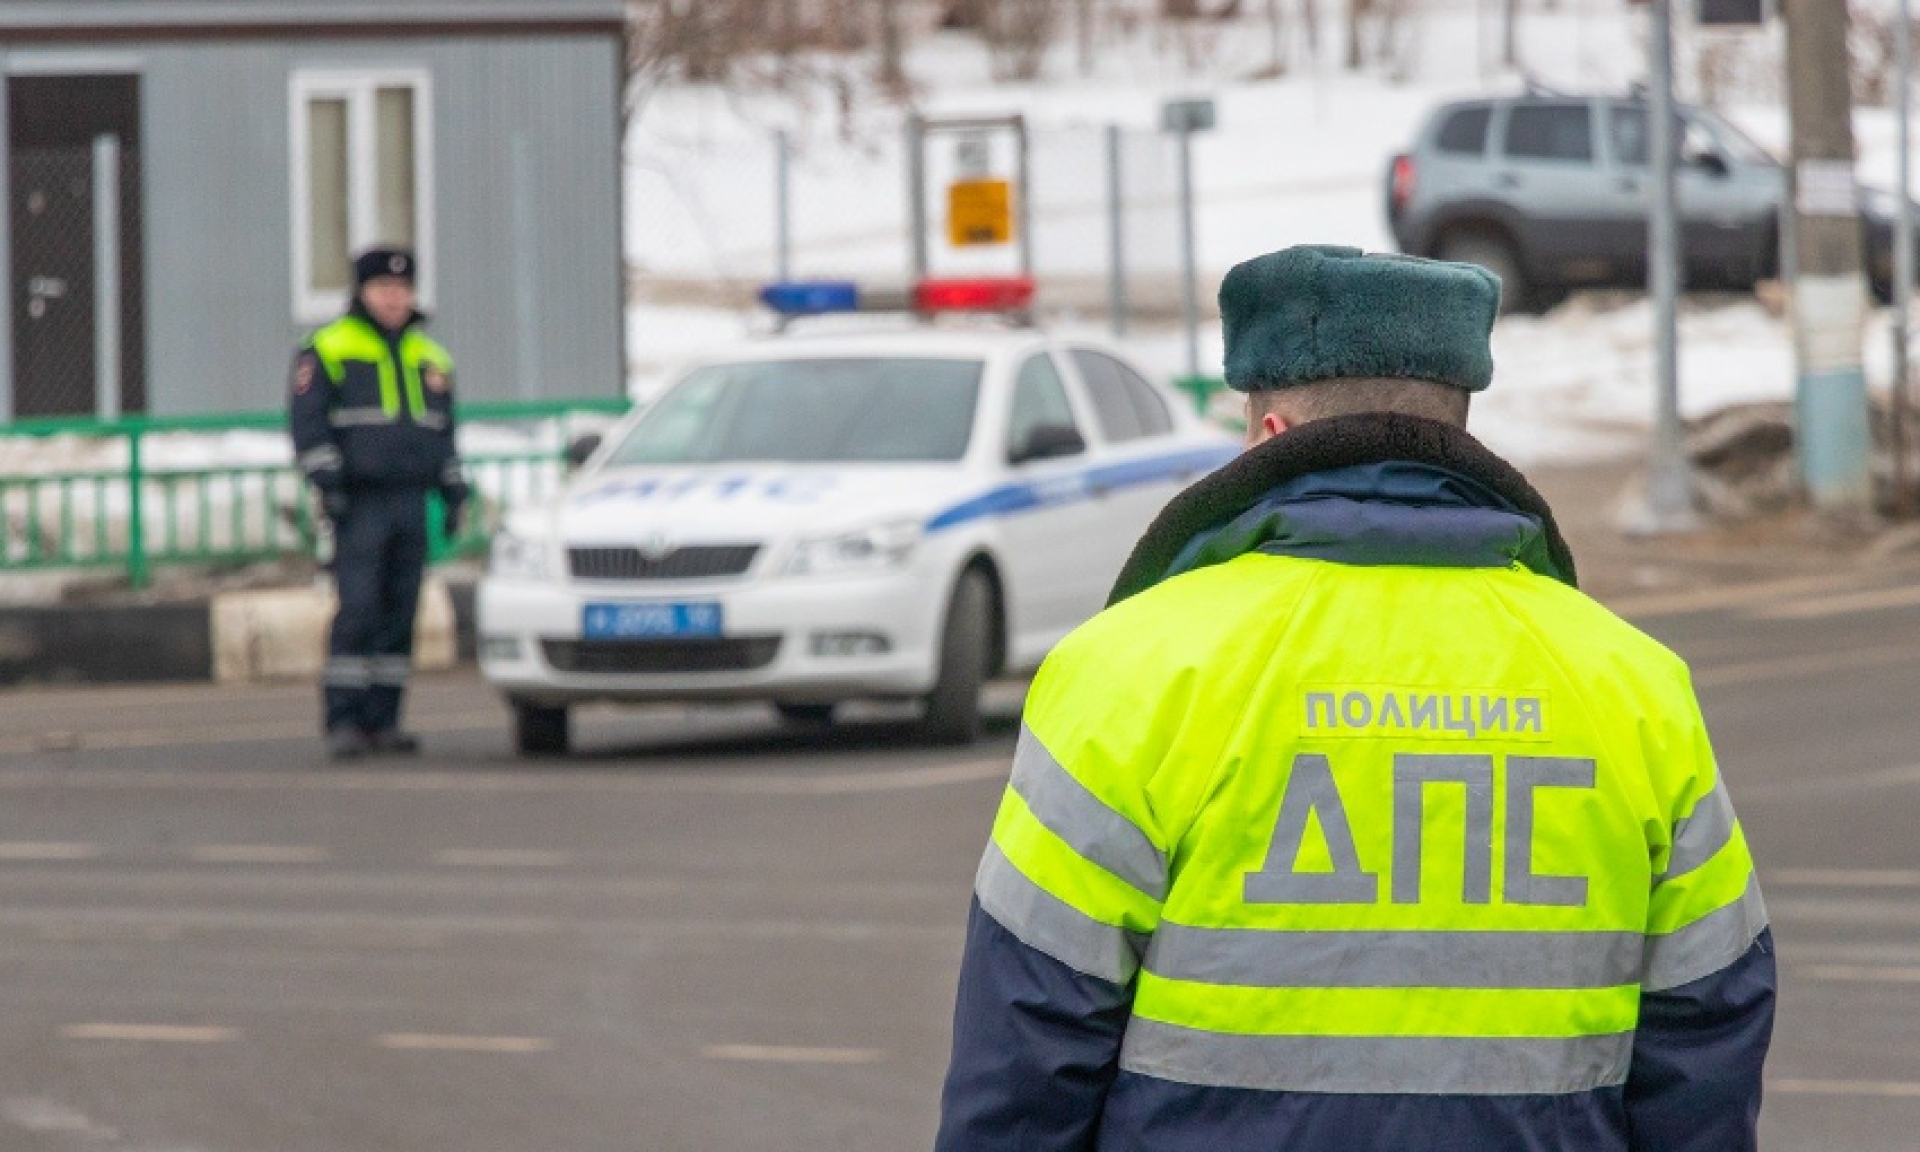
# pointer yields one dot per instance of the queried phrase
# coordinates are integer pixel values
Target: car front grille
(614, 657)
(694, 562)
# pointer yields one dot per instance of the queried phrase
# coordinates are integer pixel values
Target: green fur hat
(1319, 312)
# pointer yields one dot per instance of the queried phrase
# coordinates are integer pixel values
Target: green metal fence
(123, 505)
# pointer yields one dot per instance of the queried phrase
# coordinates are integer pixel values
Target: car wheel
(1495, 253)
(966, 647)
(540, 731)
(810, 715)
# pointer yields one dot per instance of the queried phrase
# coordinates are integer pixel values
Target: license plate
(646, 621)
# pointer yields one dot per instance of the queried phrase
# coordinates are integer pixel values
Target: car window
(1562, 132)
(810, 411)
(1631, 131)
(1465, 132)
(1154, 418)
(1039, 400)
(1114, 409)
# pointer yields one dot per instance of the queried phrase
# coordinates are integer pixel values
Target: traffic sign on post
(980, 212)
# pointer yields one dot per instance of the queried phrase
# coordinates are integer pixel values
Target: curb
(228, 638)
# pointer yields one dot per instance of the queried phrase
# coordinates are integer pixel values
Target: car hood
(750, 503)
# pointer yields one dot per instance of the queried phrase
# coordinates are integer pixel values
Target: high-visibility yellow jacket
(1358, 825)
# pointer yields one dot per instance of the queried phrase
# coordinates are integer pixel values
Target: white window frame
(359, 87)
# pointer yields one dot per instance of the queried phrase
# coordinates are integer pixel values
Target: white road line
(501, 858)
(1810, 664)
(150, 1033)
(1708, 599)
(780, 1054)
(210, 735)
(1842, 877)
(27, 850)
(258, 854)
(1875, 600)
(1898, 1089)
(1857, 974)
(428, 1042)
(503, 782)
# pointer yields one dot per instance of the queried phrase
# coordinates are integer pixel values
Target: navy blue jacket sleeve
(309, 411)
(1035, 1048)
(1695, 1081)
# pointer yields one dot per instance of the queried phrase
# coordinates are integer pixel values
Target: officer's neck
(359, 310)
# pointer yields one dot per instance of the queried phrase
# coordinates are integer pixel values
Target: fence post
(138, 575)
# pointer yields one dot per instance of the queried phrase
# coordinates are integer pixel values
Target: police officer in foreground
(1351, 825)
(372, 416)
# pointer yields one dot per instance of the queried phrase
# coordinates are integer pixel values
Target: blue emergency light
(795, 298)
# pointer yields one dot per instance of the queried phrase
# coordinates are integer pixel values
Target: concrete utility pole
(1903, 261)
(1829, 295)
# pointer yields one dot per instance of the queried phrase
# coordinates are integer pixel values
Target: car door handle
(1628, 184)
(1507, 180)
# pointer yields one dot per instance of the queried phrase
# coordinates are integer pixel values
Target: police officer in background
(372, 417)
(1351, 825)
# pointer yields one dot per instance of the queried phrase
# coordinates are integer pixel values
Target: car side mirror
(1712, 163)
(581, 449)
(1048, 442)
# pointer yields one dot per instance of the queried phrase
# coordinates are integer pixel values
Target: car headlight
(515, 557)
(873, 549)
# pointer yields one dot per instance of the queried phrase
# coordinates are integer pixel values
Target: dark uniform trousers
(380, 553)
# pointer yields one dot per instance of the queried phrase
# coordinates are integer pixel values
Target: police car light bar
(797, 298)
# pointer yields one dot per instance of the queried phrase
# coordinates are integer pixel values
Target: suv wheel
(540, 731)
(966, 648)
(1495, 253)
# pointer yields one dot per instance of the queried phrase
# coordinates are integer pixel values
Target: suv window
(1550, 132)
(1465, 132)
(1039, 400)
(1124, 405)
(1632, 135)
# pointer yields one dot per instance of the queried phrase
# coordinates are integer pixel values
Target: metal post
(1116, 235)
(525, 322)
(138, 573)
(917, 192)
(1669, 490)
(1023, 194)
(7, 398)
(1903, 264)
(1189, 257)
(782, 206)
(106, 276)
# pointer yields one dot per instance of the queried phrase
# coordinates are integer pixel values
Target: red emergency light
(974, 294)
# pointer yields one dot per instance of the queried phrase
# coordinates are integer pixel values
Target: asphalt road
(707, 933)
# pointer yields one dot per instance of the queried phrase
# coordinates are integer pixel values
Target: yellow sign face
(979, 213)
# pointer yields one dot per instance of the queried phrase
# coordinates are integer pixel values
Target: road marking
(257, 854)
(151, 1033)
(427, 1042)
(780, 1054)
(1843, 877)
(211, 735)
(1708, 599)
(1901, 1089)
(1858, 974)
(501, 858)
(26, 851)
(1875, 600)
(1811, 664)
(502, 782)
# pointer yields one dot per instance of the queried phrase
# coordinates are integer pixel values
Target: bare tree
(893, 72)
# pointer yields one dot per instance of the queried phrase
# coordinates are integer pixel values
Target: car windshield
(811, 411)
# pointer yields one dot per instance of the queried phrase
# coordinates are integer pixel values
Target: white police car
(818, 519)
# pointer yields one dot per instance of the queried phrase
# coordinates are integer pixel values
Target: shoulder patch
(303, 375)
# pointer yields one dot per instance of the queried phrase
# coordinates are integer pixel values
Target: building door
(74, 193)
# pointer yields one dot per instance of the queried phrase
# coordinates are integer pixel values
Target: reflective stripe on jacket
(1334, 842)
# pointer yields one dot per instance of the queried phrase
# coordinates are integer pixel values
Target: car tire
(1496, 254)
(539, 730)
(806, 715)
(966, 647)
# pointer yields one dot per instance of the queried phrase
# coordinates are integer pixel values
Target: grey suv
(1553, 192)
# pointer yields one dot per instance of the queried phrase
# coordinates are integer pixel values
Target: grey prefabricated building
(517, 199)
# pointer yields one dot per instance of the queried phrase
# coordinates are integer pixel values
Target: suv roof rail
(1539, 87)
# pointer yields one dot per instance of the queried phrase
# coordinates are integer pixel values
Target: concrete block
(281, 633)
